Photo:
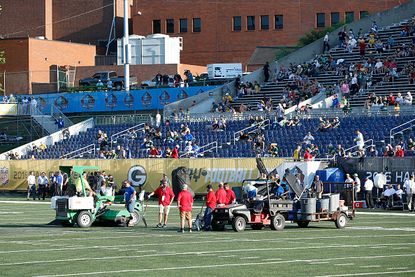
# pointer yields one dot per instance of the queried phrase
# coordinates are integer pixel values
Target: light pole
(126, 48)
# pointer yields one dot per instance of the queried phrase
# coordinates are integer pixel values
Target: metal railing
(203, 149)
(80, 152)
(397, 129)
(122, 119)
(56, 113)
(251, 129)
(122, 133)
(366, 145)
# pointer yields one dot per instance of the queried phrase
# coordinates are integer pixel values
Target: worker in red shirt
(185, 205)
(230, 195)
(210, 206)
(165, 195)
(220, 195)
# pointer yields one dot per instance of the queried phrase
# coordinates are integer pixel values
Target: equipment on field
(84, 210)
(199, 222)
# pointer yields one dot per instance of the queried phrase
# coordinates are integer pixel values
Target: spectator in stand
(188, 136)
(60, 122)
(165, 197)
(266, 71)
(375, 27)
(360, 142)
(326, 45)
(167, 153)
(362, 47)
(210, 206)
(407, 99)
(177, 80)
(297, 153)
(340, 151)
(159, 79)
(399, 152)
(230, 195)
(175, 152)
(308, 139)
(411, 144)
(389, 151)
(185, 205)
(307, 155)
(220, 195)
(154, 153)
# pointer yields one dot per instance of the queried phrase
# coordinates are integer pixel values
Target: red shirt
(165, 195)
(211, 200)
(154, 152)
(399, 153)
(175, 153)
(186, 201)
(308, 156)
(230, 196)
(221, 196)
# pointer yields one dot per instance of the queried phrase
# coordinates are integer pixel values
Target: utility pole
(126, 48)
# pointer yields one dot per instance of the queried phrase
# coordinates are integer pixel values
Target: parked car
(105, 76)
(153, 82)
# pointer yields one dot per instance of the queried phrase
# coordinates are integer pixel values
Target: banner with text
(142, 172)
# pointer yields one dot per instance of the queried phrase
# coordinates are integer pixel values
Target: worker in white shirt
(409, 187)
(42, 182)
(356, 185)
(31, 185)
(368, 193)
(348, 190)
(388, 195)
(398, 192)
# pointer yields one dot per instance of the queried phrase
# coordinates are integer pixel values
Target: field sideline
(374, 244)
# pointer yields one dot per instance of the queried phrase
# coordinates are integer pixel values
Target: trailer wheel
(257, 226)
(67, 223)
(218, 227)
(238, 223)
(84, 219)
(341, 221)
(277, 222)
(303, 224)
(135, 218)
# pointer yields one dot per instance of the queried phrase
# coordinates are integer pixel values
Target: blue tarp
(149, 99)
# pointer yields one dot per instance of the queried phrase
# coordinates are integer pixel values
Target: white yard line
(228, 265)
(378, 228)
(128, 246)
(227, 251)
(370, 266)
(397, 268)
(368, 273)
(248, 258)
(346, 264)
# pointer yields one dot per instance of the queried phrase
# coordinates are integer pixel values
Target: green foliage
(285, 51)
(314, 35)
(2, 57)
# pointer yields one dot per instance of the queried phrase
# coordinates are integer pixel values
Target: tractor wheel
(66, 223)
(135, 218)
(341, 221)
(218, 227)
(257, 226)
(84, 219)
(303, 224)
(238, 223)
(277, 222)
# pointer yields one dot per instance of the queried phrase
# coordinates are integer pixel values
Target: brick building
(75, 20)
(228, 31)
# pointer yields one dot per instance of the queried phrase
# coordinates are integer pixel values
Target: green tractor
(83, 210)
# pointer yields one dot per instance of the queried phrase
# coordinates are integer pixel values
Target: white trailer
(224, 70)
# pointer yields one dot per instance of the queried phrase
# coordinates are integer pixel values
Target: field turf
(377, 243)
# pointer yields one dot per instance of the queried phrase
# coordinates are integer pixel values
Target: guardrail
(80, 152)
(203, 149)
(122, 119)
(254, 127)
(371, 141)
(138, 127)
(393, 132)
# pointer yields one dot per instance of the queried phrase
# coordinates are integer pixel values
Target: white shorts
(164, 209)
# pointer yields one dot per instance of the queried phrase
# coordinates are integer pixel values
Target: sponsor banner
(110, 101)
(8, 109)
(142, 172)
(305, 170)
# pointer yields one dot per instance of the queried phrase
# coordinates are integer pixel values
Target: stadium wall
(147, 172)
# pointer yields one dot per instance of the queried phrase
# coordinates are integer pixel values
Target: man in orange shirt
(210, 206)
(185, 205)
(230, 195)
(220, 195)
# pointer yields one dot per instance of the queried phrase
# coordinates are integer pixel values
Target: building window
(349, 17)
(279, 22)
(183, 25)
(156, 26)
(321, 20)
(335, 18)
(264, 22)
(363, 14)
(250, 22)
(237, 23)
(169, 26)
(197, 25)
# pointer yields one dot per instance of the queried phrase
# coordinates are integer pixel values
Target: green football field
(377, 243)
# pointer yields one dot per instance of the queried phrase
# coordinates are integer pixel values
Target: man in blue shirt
(129, 196)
